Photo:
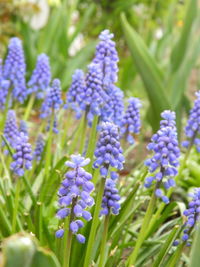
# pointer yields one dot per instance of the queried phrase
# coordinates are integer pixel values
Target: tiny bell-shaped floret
(39, 147)
(11, 130)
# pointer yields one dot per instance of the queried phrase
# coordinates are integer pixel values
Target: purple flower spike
(15, 69)
(192, 214)
(11, 130)
(76, 90)
(93, 97)
(130, 123)
(41, 76)
(22, 157)
(4, 86)
(163, 164)
(106, 56)
(74, 195)
(39, 147)
(192, 129)
(108, 150)
(110, 199)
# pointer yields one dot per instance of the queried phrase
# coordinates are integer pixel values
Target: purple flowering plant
(87, 193)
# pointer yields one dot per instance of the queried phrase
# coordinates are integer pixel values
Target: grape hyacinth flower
(163, 164)
(192, 128)
(74, 196)
(53, 99)
(110, 201)
(75, 92)
(117, 99)
(22, 157)
(39, 147)
(130, 123)
(11, 130)
(106, 56)
(52, 103)
(192, 213)
(93, 98)
(108, 150)
(4, 86)
(23, 127)
(15, 69)
(41, 76)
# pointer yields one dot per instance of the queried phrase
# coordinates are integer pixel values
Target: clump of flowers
(41, 76)
(22, 157)
(11, 130)
(108, 150)
(111, 197)
(131, 123)
(192, 129)
(163, 164)
(75, 92)
(39, 147)
(74, 196)
(15, 69)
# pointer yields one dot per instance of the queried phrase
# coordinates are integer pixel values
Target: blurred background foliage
(158, 43)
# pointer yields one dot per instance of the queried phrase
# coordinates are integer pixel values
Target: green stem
(95, 222)
(83, 134)
(103, 243)
(29, 107)
(66, 127)
(49, 143)
(76, 136)
(92, 142)
(176, 256)
(141, 237)
(28, 187)
(16, 201)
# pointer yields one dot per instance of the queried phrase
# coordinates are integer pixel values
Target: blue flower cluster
(94, 96)
(39, 147)
(11, 130)
(74, 196)
(110, 201)
(165, 160)
(106, 56)
(4, 86)
(113, 108)
(193, 125)
(22, 158)
(41, 76)
(192, 213)
(53, 99)
(130, 123)
(75, 92)
(108, 150)
(15, 69)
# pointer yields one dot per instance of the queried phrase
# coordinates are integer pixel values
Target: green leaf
(165, 248)
(195, 255)
(179, 51)
(149, 71)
